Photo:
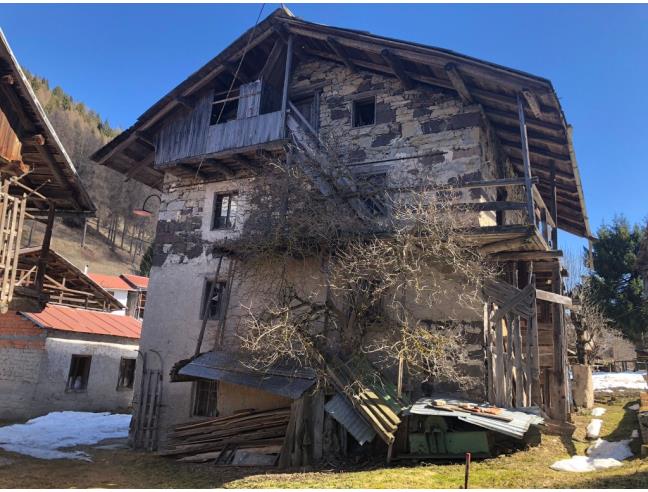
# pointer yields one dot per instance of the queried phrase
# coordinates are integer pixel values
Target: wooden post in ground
(287, 73)
(44, 254)
(85, 230)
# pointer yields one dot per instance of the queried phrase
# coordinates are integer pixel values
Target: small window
(79, 371)
(364, 112)
(126, 373)
(205, 399)
(215, 301)
(224, 215)
(224, 109)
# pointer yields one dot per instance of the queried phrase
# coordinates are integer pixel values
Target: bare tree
(377, 274)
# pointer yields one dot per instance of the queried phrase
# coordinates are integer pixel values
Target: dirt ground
(122, 468)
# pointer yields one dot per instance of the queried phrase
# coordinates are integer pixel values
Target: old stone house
(397, 112)
(74, 354)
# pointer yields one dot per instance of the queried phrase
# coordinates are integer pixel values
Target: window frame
(122, 364)
(354, 105)
(207, 408)
(217, 205)
(85, 376)
(206, 287)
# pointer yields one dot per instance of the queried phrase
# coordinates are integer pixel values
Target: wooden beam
(544, 295)
(221, 168)
(396, 66)
(139, 166)
(339, 50)
(527, 255)
(287, 74)
(184, 101)
(272, 59)
(458, 83)
(532, 102)
(144, 137)
(505, 245)
(237, 72)
(527, 163)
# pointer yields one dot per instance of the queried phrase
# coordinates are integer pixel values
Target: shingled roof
(493, 86)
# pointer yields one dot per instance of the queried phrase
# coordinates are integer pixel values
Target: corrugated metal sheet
(517, 427)
(342, 411)
(370, 394)
(284, 380)
(85, 321)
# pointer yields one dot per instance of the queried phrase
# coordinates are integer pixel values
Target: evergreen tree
(147, 262)
(616, 282)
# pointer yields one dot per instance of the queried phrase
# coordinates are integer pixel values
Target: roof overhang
(494, 87)
(53, 173)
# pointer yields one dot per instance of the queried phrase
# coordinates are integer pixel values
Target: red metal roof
(137, 280)
(85, 321)
(110, 282)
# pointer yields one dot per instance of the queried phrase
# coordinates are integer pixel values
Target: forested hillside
(82, 131)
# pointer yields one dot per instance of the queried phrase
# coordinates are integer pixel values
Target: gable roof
(65, 318)
(61, 272)
(52, 170)
(493, 86)
(111, 282)
(136, 281)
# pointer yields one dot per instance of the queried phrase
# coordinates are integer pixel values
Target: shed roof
(493, 86)
(64, 318)
(52, 170)
(285, 379)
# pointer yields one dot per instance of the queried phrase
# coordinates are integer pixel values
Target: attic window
(224, 107)
(364, 112)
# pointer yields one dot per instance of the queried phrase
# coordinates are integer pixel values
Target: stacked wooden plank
(224, 435)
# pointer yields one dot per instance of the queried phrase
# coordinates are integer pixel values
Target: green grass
(523, 469)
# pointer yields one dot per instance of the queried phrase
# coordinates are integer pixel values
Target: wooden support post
(553, 204)
(527, 161)
(339, 50)
(534, 352)
(287, 73)
(83, 237)
(560, 400)
(44, 254)
(396, 66)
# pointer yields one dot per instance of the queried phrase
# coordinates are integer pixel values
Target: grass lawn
(525, 469)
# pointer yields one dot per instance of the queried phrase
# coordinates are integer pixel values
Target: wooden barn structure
(37, 181)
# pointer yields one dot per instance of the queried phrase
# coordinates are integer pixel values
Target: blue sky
(119, 59)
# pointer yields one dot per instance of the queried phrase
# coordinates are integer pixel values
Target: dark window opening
(79, 372)
(126, 373)
(224, 211)
(223, 109)
(205, 399)
(373, 187)
(307, 106)
(364, 112)
(215, 301)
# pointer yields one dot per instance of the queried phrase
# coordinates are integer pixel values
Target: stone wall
(423, 135)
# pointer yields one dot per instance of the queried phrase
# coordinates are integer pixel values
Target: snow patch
(597, 412)
(601, 455)
(45, 437)
(594, 428)
(605, 381)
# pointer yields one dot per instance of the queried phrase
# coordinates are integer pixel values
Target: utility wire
(238, 68)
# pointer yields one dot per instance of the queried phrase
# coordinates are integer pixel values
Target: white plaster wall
(122, 297)
(102, 393)
(19, 369)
